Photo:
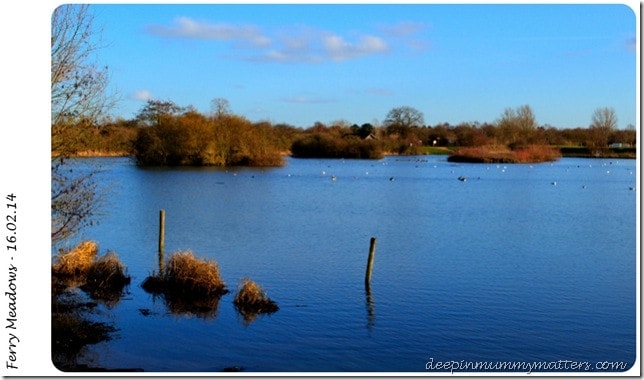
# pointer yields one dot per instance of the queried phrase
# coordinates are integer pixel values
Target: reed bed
(252, 300)
(486, 154)
(500, 154)
(537, 153)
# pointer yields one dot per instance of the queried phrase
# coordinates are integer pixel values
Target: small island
(505, 155)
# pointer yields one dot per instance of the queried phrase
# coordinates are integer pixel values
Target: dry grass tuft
(252, 300)
(77, 261)
(192, 275)
(103, 278)
(189, 285)
(106, 278)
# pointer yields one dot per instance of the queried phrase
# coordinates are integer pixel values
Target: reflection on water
(503, 266)
(205, 308)
(371, 309)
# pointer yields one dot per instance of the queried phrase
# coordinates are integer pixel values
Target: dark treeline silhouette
(166, 134)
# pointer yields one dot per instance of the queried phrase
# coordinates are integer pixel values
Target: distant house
(371, 136)
(620, 145)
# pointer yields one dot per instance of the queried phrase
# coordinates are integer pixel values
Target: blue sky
(301, 63)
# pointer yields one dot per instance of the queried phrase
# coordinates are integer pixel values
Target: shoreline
(565, 153)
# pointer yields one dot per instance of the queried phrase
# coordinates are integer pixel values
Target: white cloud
(143, 95)
(185, 27)
(301, 44)
(338, 49)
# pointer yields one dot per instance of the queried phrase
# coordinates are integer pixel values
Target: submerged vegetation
(103, 278)
(188, 285)
(193, 286)
(188, 276)
(106, 278)
(251, 300)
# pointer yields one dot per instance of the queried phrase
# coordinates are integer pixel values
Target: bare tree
(220, 107)
(401, 119)
(77, 84)
(517, 126)
(605, 119)
(77, 96)
(604, 122)
(155, 110)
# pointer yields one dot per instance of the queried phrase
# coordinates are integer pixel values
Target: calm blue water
(504, 266)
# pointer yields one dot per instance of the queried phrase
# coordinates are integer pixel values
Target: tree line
(164, 133)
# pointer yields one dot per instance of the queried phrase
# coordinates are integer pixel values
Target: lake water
(533, 263)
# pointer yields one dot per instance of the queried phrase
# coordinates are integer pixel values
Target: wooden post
(161, 239)
(372, 251)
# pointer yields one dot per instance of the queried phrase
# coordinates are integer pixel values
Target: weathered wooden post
(372, 251)
(161, 239)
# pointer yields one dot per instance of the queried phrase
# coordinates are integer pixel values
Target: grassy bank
(438, 150)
